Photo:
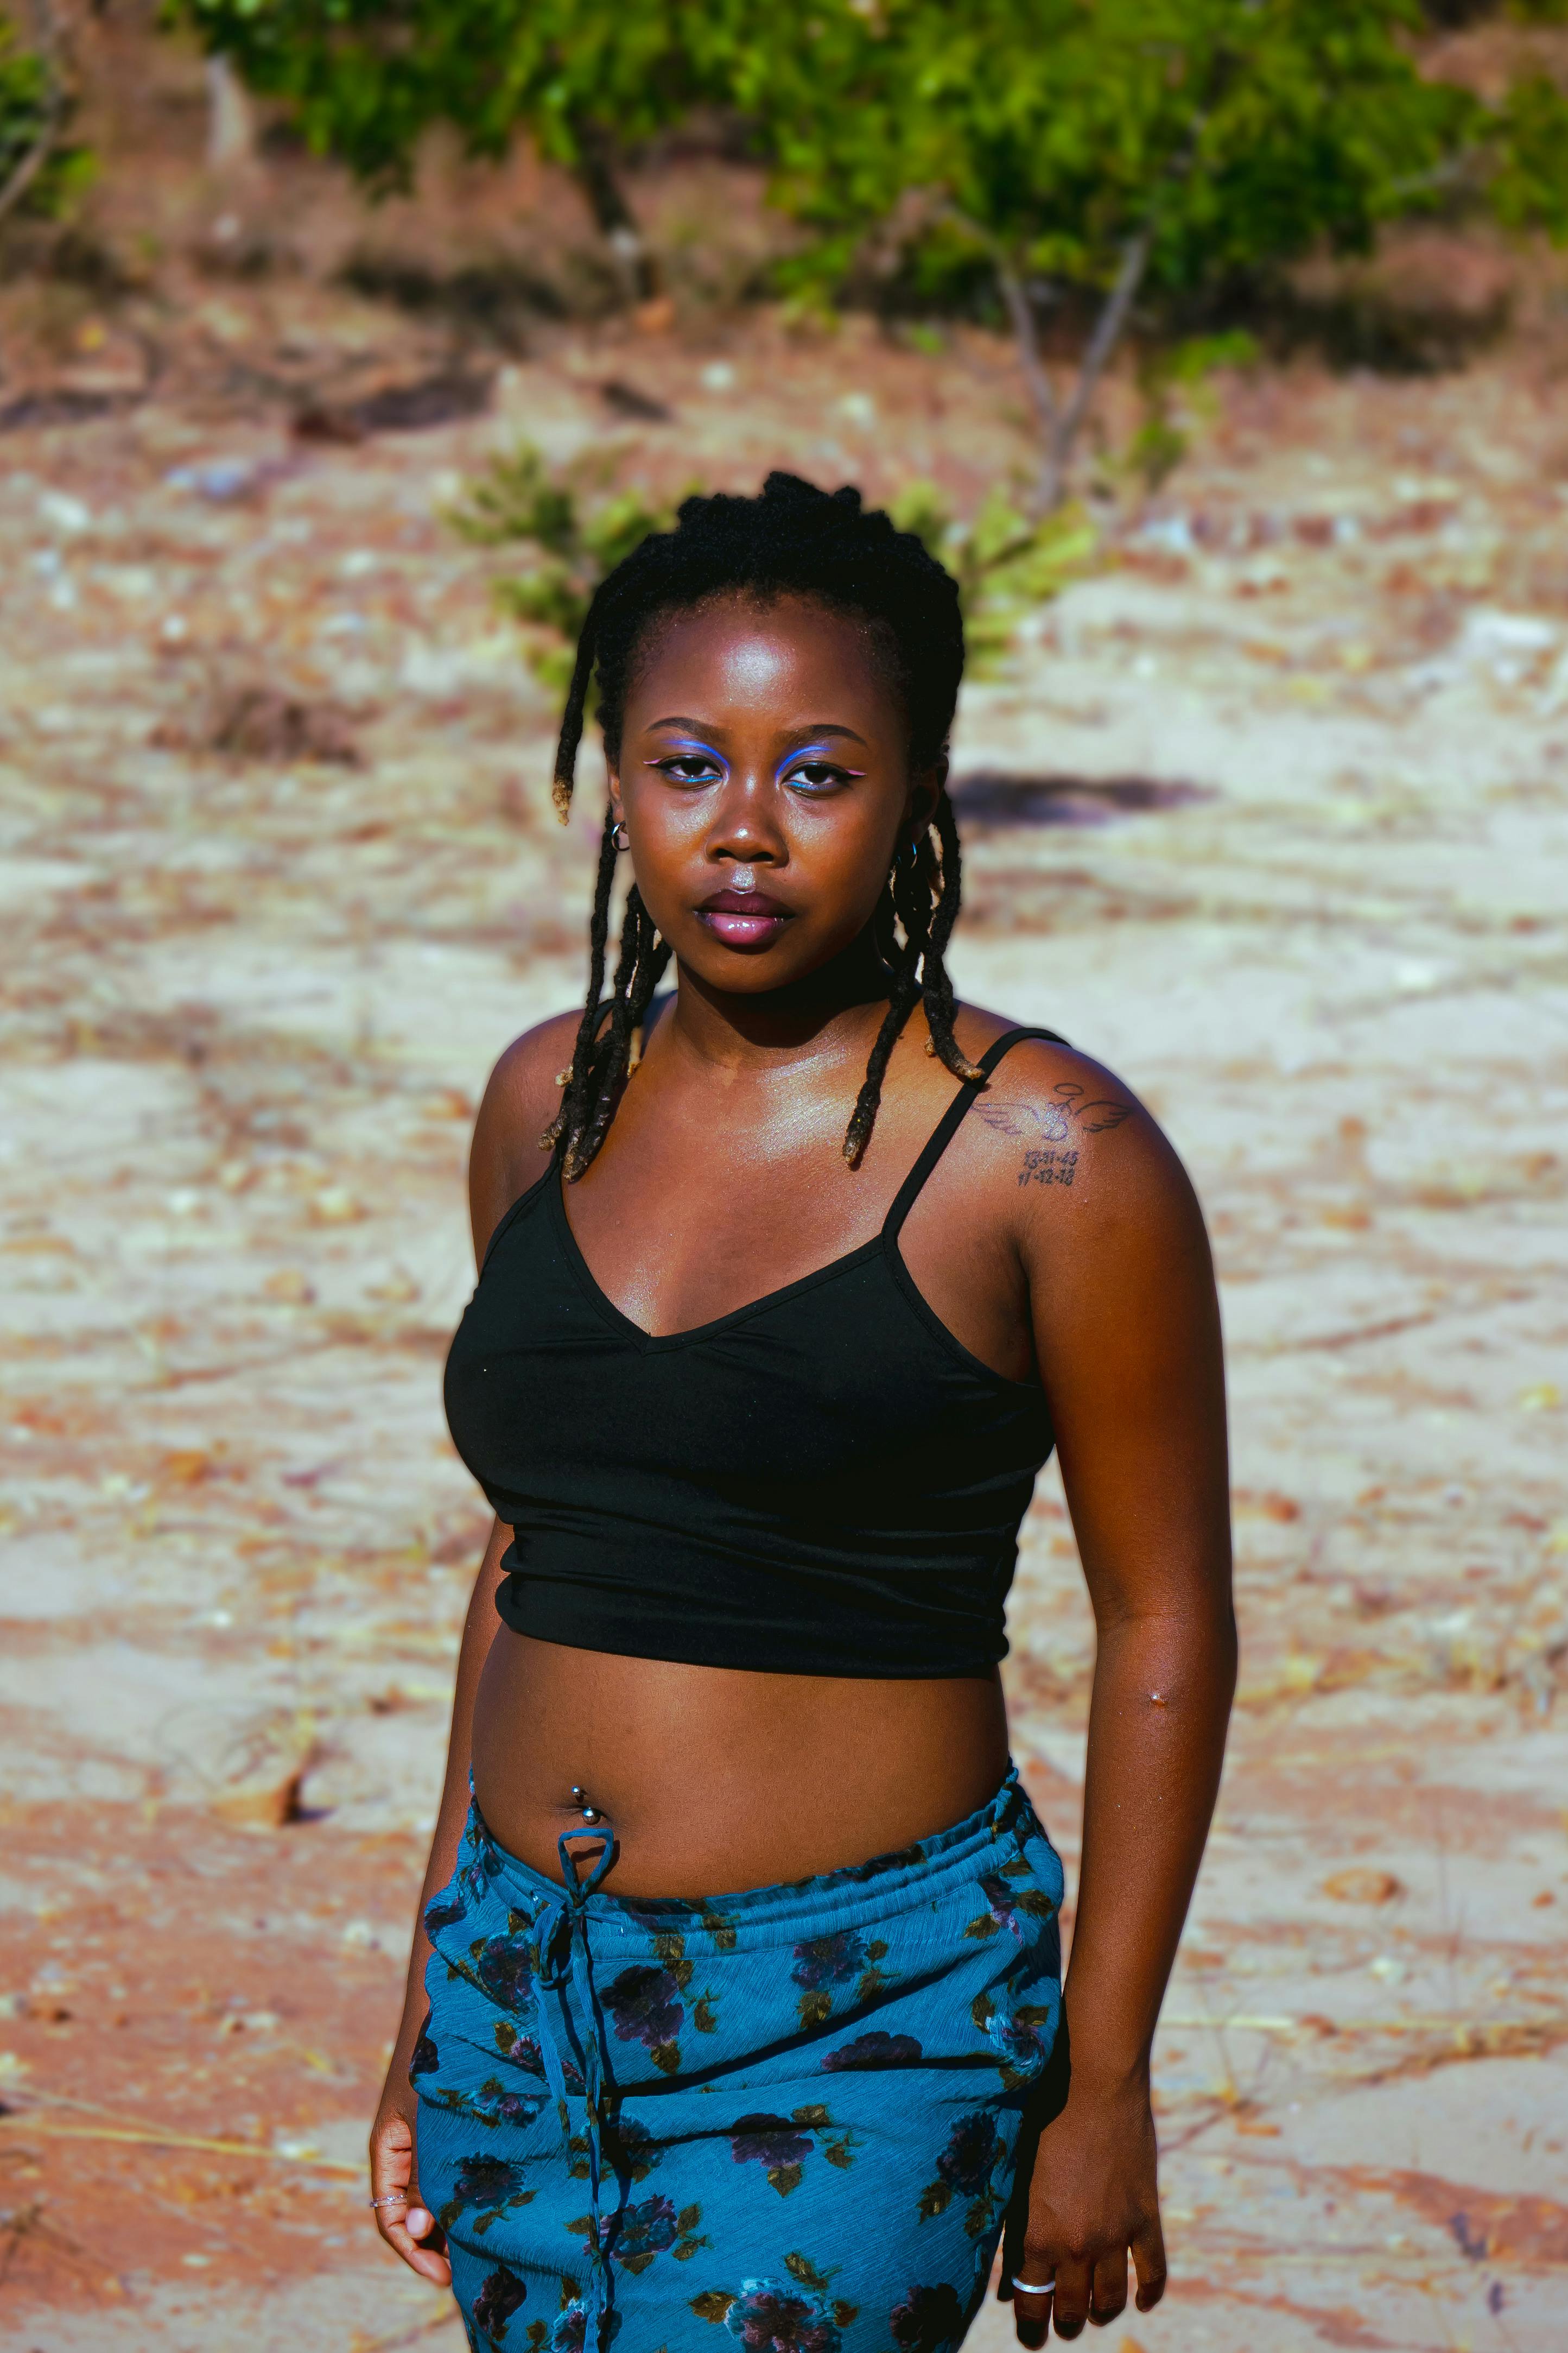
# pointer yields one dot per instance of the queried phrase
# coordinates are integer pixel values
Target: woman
(734, 2011)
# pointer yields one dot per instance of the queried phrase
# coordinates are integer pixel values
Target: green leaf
(574, 537)
(34, 107)
(552, 666)
(919, 507)
(1529, 179)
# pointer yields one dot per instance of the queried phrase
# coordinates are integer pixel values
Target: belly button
(589, 1811)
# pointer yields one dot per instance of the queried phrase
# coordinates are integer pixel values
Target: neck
(828, 1013)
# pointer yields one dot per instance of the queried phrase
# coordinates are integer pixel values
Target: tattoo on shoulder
(1048, 1131)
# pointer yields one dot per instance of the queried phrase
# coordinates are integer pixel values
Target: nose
(746, 830)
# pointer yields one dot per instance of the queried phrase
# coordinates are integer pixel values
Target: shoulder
(1078, 1154)
(520, 1101)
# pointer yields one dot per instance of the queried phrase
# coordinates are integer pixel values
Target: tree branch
(1036, 376)
(1112, 319)
(1021, 313)
(31, 164)
(26, 171)
(1066, 427)
(613, 216)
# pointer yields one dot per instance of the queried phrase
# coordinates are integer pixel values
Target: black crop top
(824, 1482)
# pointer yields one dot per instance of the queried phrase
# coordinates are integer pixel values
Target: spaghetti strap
(951, 1120)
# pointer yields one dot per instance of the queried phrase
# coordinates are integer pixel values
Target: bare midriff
(716, 1779)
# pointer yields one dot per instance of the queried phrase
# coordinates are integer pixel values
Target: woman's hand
(1091, 2196)
(409, 2228)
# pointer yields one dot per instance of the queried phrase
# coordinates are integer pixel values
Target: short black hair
(793, 540)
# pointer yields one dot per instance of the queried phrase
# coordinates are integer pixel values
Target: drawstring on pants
(565, 1962)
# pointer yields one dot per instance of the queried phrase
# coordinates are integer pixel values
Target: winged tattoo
(1045, 1128)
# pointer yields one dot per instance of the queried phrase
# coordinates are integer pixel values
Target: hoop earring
(619, 835)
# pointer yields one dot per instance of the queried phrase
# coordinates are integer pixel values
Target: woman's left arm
(1127, 1331)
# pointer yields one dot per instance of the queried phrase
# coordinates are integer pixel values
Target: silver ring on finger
(397, 2197)
(1027, 2288)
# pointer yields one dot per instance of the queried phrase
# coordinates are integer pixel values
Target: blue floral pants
(785, 2119)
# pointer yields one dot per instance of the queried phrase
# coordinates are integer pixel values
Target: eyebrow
(806, 735)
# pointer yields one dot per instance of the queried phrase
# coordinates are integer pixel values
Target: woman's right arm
(519, 1100)
(410, 2229)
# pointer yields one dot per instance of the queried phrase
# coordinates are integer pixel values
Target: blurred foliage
(1453, 15)
(1529, 179)
(1174, 381)
(576, 528)
(39, 172)
(1072, 154)
(1104, 153)
(1241, 130)
(366, 79)
(1005, 563)
(1252, 128)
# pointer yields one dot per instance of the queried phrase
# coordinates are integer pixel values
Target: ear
(613, 777)
(926, 788)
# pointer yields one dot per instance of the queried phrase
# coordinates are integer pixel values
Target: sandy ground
(249, 1004)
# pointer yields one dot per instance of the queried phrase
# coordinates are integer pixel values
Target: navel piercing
(590, 1812)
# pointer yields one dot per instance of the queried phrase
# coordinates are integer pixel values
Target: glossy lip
(744, 919)
(742, 902)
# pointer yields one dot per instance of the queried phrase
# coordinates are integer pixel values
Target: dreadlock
(793, 540)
